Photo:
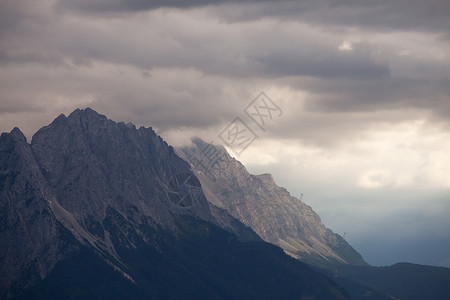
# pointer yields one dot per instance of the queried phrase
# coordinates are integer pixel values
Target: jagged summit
(16, 134)
(118, 160)
(92, 208)
(81, 174)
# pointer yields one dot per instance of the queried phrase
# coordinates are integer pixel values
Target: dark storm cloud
(99, 6)
(382, 14)
(323, 65)
(407, 15)
(221, 52)
(383, 93)
(303, 57)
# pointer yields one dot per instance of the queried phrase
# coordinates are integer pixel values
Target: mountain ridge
(271, 211)
(88, 188)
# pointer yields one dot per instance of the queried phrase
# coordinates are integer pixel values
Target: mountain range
(92, 208)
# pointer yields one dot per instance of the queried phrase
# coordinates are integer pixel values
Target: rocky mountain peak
(17, 134)
(92, 177)
(114, 162)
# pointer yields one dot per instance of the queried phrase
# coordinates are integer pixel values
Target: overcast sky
(364, 87)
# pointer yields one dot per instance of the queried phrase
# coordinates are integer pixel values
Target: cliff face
(80, 176)
(32, 239)
(268, 209)
(92, 164)
(98, 209)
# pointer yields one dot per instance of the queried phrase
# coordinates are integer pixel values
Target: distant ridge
(275, 215)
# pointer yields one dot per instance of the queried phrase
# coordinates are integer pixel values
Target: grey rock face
(81, 176)
(93, 163)
(32, 239)
(268, 209)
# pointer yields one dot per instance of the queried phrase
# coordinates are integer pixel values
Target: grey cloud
(337, 111)
(301, 58)
(169, 99)
(101, 6)
(19, 105)
(222, 52)
(381, 15)
(379, 94)
(325, 65)
(407, 15)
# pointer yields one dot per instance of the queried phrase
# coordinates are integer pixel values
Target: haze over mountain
(279, 218)
(98, 209)
(271, 211)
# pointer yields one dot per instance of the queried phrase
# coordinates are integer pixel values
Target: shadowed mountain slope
(98, 209)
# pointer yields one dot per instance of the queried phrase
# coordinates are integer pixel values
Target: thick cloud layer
(364, 87)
